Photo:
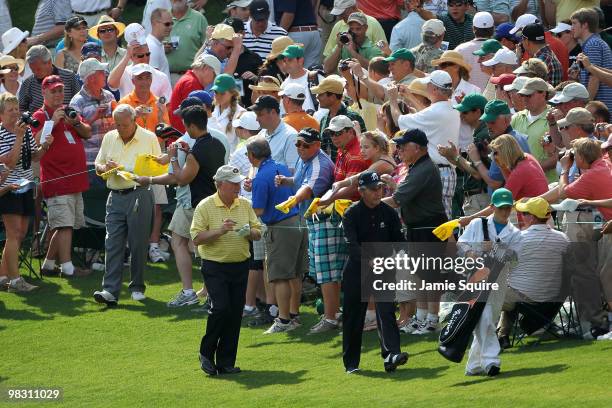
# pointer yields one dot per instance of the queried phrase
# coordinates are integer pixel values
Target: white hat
(522, 21)
(341, 5)
(12, 38)
(293, 91)
(228, 173)
(482, 19)
(209, 60)
(434, 25)
(248, 120)
(89, 66)
(570, 92)
(516, 85)
(502, 56)
(238, 3)
(339, 123)
(561, 27)
(441, 79)
(135, 33)
(141, 69)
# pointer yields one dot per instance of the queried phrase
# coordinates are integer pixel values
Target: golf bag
(456, 335)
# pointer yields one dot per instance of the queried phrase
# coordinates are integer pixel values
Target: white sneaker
(427, 327)
(607, 336)
(20, 286)
(138, 296)
(411, 325)
(104, 296)
(155, 255)
(279, 327)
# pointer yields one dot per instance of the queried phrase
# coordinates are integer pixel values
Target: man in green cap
(353, 44)
(484, 353)
(293, 60)
(401, 66)
(485, 53)
(471, 109)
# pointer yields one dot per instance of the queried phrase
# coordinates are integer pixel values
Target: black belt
(125, 190)
(89, 13)
(474, 192)
(444, 165)
(584, 210)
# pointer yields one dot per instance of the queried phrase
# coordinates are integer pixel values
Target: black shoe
(261, 319)
(50, 272)
(228, 370)
(504, 342)
(394, 361)
(207, 366)
(205, 308)
(598, 331)
(493, 370)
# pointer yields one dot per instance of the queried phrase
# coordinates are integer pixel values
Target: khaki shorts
(159, 194)
(65, 211)
(286, 250)
(181, 222)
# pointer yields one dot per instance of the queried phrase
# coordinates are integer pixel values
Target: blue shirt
(316, 173)
(498, 227)
(282, 144)
(494, 171)
(599, 54)
(266, 195)
(407, 33)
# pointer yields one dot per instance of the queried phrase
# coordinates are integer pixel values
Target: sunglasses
(446, 65)
(106, 30)
(167, 24)
(12, 68)
(336, 134)
(565, 127)
(303, 145)
(146, 54)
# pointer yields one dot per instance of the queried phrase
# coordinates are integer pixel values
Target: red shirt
(187, 83)
(527, 179)
(65, 156)
(349, 163)
(594, 184)
(381, 9)
(559, 49)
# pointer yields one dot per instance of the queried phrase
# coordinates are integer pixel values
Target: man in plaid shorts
(327, 238)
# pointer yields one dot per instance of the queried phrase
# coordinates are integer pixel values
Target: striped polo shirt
(210, 214)
(262, 45)
(538, 274)
(50, 13)
(30, 93)
(599, 54)
(457, 33)
(23, 168)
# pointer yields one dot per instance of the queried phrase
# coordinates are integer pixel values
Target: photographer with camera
(18, 150)
(352, 44)
(63, 174)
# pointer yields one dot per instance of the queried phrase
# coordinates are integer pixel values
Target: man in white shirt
(149, 7)
(137, 53)
(483, 30)
(293, 59)
(441, 124)
(161, 25)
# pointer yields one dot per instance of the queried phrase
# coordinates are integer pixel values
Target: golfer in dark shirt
(368, 220)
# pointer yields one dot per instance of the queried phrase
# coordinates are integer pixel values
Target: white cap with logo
(135, 34)
(502, 56)
(441, 79)
(482, 19)
(293, 91)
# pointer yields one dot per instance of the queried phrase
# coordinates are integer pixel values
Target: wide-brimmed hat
(267, 83)
(12, 38)
(418, 86)
(279, 44)
(10, 60)
(453, 57)
(106, 21)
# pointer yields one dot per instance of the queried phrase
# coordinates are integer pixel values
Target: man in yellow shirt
(150, 111)
(222, 226)
(129, 208)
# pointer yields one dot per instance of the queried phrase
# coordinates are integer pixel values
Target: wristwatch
(173, 159)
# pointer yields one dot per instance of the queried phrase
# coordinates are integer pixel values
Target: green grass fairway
(145, 355)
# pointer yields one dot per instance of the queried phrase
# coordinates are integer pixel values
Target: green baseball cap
(293, 51)
(471, 102)
(488, 47)
(401, 54)
(223, 83)
(502, 197)
(493, 109)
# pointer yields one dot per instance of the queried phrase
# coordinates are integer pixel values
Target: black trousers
(353, 313)
(226, 284)
(387, 26)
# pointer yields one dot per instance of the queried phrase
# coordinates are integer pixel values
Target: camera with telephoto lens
(547, 139)
(26, 117)
(346, 37)
(70, 112)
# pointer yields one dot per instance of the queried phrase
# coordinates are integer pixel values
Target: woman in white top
(227, 108)
(11, 69)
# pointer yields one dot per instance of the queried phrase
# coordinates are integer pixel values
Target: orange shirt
(150, 120)
(301, 120)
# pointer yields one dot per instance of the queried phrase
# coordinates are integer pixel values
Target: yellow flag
(444, 231)
(312, 208)
(286, 206)
(109, 173)
(148, 167)
(342, 205)
(126, 175)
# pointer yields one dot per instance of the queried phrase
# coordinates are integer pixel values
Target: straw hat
(454, 58)
(6, 60)
(267, 83)
(418, 87)
(106, 21)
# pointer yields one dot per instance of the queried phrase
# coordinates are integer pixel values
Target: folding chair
(25, 256)
(534, 316)
(91, 237)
